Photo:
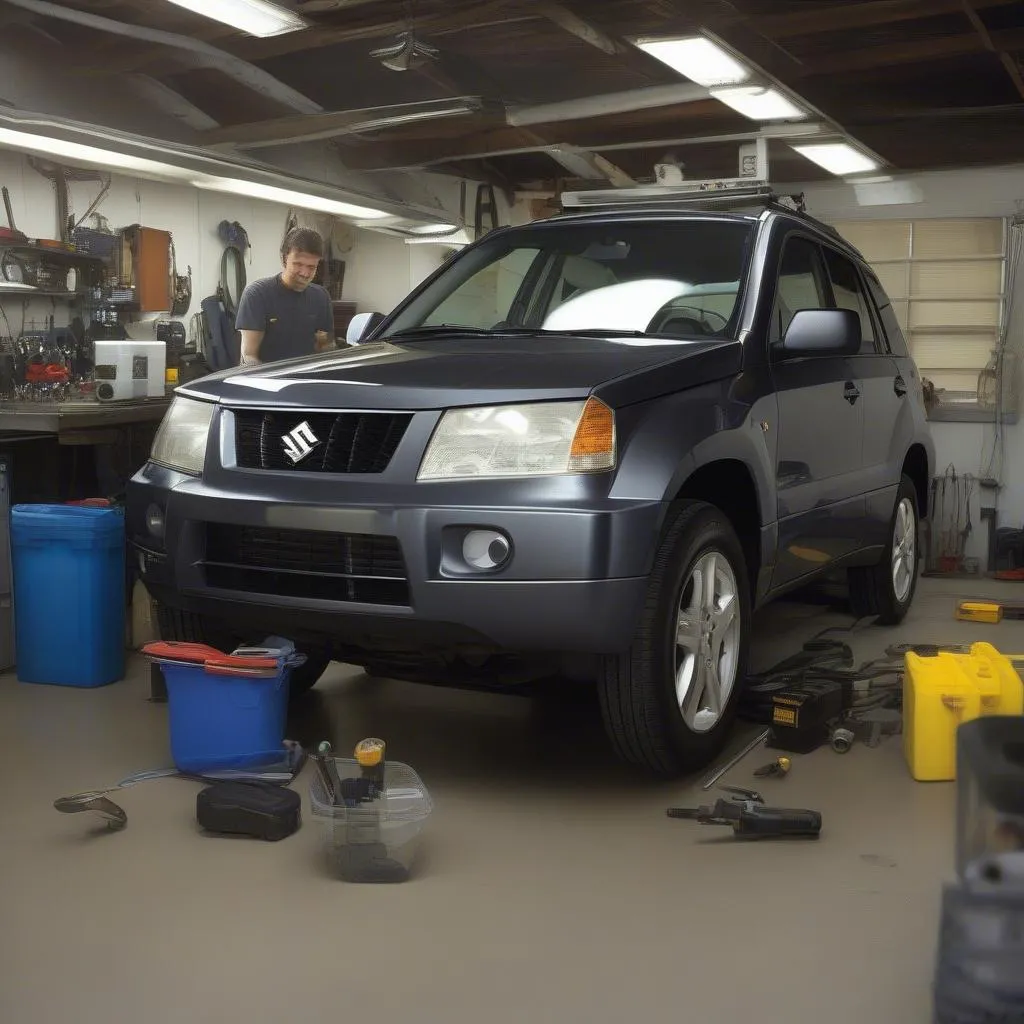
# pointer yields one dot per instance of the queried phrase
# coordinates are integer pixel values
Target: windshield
(673, 279)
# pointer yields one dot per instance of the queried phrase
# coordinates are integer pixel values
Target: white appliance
(130, 369)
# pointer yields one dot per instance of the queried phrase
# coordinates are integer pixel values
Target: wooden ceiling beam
(917, 51)
(831, 18)
(577, 26)
(122, 59)
(323, 35)
(1006, 59)
(394, 154)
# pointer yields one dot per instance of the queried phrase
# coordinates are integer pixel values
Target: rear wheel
(669, 702)
(886, 590)
(187, 626)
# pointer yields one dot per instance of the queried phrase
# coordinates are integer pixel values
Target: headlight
(539, 439)
(180, 442)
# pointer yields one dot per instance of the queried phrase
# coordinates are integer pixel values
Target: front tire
(669, 702)
(175, 624)
(887, 589)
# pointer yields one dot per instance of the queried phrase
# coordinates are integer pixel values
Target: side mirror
(360, 326)
(823, 332)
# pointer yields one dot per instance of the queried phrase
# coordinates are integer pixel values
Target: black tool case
(259, 810)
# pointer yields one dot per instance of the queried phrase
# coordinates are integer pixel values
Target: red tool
(46, 373)
(213, 661)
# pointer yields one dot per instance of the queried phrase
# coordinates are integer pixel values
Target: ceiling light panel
(838, 158)
(273, 194)
(108, 159)
(698, 59)
(760, 104)
(254, 17)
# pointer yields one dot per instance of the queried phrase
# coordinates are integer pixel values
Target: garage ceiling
(923, 84)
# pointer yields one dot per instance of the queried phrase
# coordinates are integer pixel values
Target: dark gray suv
(588, 446)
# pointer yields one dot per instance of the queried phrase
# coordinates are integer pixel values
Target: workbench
(63, 451)
(70, 420)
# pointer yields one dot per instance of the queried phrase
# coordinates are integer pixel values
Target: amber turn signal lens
(593, 445)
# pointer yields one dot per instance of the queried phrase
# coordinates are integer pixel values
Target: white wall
(382, 270)
(379, 269)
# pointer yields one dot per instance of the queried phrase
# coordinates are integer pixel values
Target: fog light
(486, 549)
(155, 522)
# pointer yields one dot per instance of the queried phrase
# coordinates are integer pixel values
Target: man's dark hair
(303, 240)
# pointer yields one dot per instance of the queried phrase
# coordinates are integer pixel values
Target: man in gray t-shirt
(286, 316)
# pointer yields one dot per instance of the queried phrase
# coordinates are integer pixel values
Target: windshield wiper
(409, 332)
(603, 332)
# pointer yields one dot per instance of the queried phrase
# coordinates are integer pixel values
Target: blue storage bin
(219, 722)
(69, 594)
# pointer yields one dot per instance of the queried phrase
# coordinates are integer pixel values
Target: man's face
(299, 269)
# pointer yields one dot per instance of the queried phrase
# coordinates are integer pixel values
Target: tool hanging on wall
(181, 287)
(486, 204)
(11, 232)
(59, 177)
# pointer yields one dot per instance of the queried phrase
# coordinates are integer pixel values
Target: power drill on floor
(749, 818)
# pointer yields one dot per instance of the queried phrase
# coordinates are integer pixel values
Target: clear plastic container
(978, 976)
(990, 796)
(376, 840)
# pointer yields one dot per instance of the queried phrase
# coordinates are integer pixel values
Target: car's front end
(367, 547)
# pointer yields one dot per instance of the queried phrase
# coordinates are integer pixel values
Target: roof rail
(721, 193)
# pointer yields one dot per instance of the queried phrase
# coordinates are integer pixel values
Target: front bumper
(575, 581)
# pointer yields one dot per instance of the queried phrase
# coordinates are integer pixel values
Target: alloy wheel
(707, 641)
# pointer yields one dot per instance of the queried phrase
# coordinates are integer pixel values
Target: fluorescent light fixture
(255, 17)
(759, 104)
(107, 158)
(434, 229)
(273, 194)
(698, 59)
(838, 158)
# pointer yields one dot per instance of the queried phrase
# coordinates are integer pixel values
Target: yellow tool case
(944, 690)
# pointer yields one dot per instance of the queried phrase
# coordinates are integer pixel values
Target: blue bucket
(219, 722)
(69, 594)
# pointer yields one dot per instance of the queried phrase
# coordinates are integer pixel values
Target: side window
(893, 331)
(849, 293)
(485, 299)
(801, 284)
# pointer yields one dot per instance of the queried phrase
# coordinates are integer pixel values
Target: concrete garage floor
(552, 887)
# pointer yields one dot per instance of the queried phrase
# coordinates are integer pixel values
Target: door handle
(899, 385)
(851, 392)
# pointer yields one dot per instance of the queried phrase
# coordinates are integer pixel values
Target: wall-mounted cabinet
(146, 268)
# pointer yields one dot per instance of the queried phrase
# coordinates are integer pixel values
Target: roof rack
(718, 194)
(721, 193)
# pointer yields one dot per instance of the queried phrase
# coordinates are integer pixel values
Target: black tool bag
(249, 809)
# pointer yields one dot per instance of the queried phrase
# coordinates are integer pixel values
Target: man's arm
(251, 320)
(251, 347)
(325, 324)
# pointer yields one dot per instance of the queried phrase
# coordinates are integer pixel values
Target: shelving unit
(41, 261)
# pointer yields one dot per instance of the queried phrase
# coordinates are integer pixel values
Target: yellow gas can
(942, 691)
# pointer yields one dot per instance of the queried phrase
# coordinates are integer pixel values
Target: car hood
(446, 371)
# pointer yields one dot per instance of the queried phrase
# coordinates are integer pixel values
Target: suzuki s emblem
(300, 443)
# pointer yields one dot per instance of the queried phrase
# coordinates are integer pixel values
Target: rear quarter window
(893, 331)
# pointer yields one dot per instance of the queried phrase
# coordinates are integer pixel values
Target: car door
(819, 433)
(882, 392)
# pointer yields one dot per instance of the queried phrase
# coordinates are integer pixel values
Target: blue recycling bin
(69, 594)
